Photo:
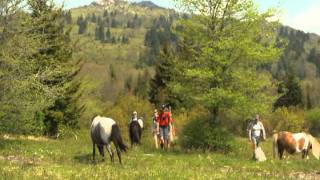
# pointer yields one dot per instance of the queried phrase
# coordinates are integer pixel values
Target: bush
(313, 121)
(286, 119)
(199, 134)
(122, 109)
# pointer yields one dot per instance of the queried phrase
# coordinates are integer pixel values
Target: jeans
(164, 132)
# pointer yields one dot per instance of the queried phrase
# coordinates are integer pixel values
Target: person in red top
(163, 123)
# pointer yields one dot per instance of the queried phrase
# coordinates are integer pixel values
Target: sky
(299, 14)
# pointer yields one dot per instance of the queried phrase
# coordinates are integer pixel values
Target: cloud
(306, 20)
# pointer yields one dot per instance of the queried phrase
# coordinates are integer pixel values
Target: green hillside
(100, 89)
(301, 55)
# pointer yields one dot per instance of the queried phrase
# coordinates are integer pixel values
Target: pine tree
(99, 32)
(83, 26)
(93, 18)
(142, 87)
(113, 40)
(68, 17)
(55, 56)
(114, 23)
(64, 113)
(128, 85)
(80, 20)
(105, 13)
(292, 93)
(159, 85)
(108, 35)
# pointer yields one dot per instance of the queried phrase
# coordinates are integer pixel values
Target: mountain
(116, 55)
(147, 4)
(109, 38)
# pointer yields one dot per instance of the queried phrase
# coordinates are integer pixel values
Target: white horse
(103, 131)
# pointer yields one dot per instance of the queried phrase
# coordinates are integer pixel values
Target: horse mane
(93, 116)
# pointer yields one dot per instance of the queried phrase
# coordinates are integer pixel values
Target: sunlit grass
(71, 159)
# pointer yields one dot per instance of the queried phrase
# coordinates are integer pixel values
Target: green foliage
(292, 93)
(64, 114)
(210, 138)
(142, 87)
(313, 121)
(83, 25)
(113, 73)
(221, 56)
(35, 64)
(123, 107)
(68, 17)
(286, 119)
(99, 33)
(128, 85)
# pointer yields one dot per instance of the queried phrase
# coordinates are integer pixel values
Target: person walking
(256, 133)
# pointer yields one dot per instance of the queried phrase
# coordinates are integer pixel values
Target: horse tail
(135, 132)
(315, 149)
(275, 145)
(117, 139)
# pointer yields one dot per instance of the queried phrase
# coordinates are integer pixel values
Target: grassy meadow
(41, 158)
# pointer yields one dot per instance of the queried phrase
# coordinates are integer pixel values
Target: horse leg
(94, 152)
(101, 151)
(305, 154)
(110, 153)
(118, 151)
(281, 150)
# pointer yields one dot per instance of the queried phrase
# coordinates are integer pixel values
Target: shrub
(287, 119)
(313, 121)
(199, 134)
(122, 109)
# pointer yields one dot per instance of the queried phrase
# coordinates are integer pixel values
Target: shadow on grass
(84, 159)
(87, 159)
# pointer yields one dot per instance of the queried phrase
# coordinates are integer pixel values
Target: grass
(71, 159)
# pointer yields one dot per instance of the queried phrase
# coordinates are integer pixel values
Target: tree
(83, 25)
(292, 93)
(125, 39)
(142, 87)
(223, 44)
(68, 17)
(114, 23)
(128, 85)
(108, 35)
(55, 57)
(93, 18)
(65, 112)
(159, 85)
(35, 76)
(112, 72)
(99, 32)
(105, 13)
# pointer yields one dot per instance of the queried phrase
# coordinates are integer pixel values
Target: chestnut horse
(295, 143)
